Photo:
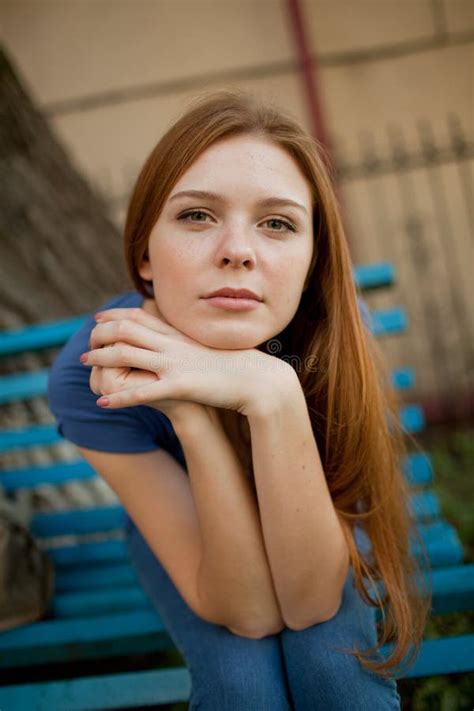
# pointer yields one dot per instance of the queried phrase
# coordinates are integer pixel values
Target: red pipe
(309, 73)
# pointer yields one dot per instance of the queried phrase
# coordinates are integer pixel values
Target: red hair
(351, 402)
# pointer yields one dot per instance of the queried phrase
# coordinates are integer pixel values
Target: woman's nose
(236, 248)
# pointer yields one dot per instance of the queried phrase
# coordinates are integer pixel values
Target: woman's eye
(185, 215)
(286, 224)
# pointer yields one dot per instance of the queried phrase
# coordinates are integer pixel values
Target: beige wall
(112, 76)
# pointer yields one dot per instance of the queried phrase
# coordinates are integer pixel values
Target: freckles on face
(174, 261)
(285, 285)
(176, 276)
(234, 244)
(173, 272)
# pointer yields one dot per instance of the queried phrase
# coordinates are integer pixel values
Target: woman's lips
(232, 304)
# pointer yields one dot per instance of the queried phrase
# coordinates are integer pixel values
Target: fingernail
(83, 358)
(98, 315)
(102, 401)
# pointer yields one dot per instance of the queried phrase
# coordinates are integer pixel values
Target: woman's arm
(300, 532)
(304, 539)
(234, 577)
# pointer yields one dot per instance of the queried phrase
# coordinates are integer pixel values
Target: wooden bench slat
(372, 276)
(452, 588)
(440, 538)
(111, 517)
(35, 643)
(57, 473)
(417, 468)
(25, 437)
(23, 386)
(46, 434)
(126, 690)
(402, 378)
(449, 655)
(85, 629)
(412, 418)
(63, 640)
(105, 575)
(425, 505)
(442, 543)
(41, 335)
(78, 521)
(147, 642)
(88, 603)
(388, 321)
(109, 551)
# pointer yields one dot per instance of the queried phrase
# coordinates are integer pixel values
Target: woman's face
(232, 239)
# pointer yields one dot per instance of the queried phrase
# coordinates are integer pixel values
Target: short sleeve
(73, 404)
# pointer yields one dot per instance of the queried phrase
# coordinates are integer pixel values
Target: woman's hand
(108, 380)
(139, 359)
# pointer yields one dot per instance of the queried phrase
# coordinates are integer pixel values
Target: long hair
(351, 403)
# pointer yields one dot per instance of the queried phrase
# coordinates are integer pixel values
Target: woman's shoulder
(79, 341)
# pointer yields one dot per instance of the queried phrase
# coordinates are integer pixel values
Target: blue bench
(99, 610)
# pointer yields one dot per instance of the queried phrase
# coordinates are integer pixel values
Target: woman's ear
(145, 268)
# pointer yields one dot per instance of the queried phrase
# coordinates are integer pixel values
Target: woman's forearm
(303, 536)
(234, 577)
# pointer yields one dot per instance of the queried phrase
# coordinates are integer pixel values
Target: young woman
(252, 437)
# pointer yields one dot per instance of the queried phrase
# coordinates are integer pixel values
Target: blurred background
(87, 88)
(387, 84)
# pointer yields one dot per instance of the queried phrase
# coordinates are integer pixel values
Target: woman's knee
(228, 671)
(322, 668)
(325, 673)
(238, 675)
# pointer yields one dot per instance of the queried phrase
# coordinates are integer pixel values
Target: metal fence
(408, 200)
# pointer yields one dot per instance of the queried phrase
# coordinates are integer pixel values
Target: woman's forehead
(266, 176)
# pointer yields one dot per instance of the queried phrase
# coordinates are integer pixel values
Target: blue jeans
(289, 671)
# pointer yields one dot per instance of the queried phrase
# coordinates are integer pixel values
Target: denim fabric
(292, 670)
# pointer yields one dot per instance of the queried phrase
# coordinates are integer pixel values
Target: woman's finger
(109, 380)
(132, 332)
(137, 315)
(124, 355)
(151, 393)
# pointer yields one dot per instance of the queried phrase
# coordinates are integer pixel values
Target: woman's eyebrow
(266, 202)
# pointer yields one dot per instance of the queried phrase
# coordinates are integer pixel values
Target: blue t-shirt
(128, 429)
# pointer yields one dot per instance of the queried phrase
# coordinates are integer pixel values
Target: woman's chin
(224, 336)
(226, 342)
(223, 341)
